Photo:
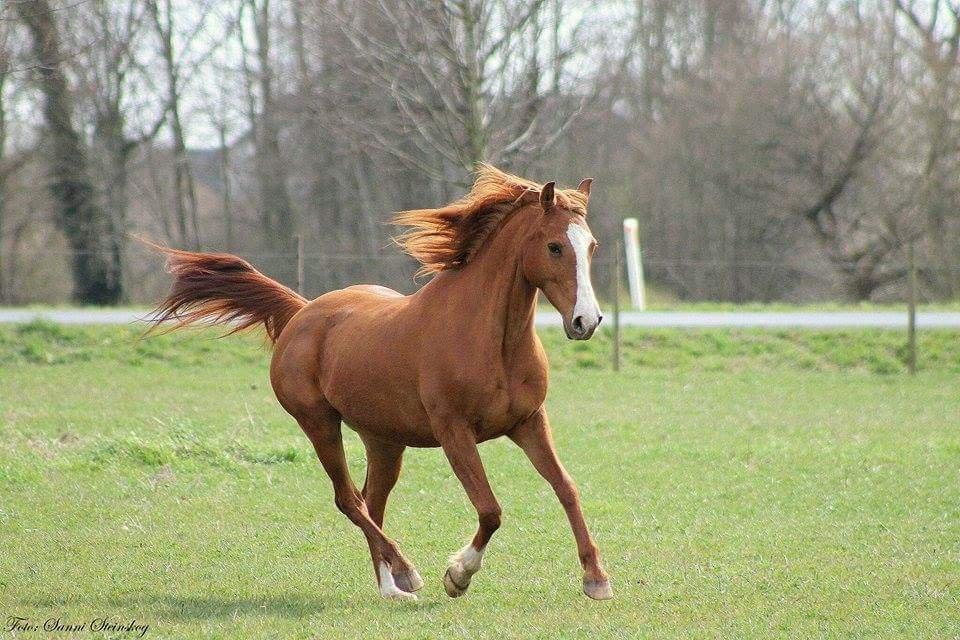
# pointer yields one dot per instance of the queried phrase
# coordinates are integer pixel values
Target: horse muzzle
(581, 327)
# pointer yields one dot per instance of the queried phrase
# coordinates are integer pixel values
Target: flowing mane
(448, 237)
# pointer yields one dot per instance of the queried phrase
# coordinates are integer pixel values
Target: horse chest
(512, 400)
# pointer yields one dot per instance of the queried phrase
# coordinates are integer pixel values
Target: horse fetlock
(590, 561)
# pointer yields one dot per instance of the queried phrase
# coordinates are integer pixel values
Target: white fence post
(631, 243)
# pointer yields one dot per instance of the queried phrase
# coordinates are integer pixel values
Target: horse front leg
(534, 437)
(460, 446)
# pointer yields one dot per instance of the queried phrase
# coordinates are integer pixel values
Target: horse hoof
(453, 589)
(409, 581)
(598, 589)
(400, 596)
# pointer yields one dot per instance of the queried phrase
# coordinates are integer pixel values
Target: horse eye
(554, 248)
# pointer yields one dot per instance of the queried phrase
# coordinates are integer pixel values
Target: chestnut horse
(452, 365)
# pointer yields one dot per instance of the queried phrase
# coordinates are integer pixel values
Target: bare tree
(110, 70)
(6, 167)
(470, 80)
(220, 117)
(931, 36)
(276, 209)
(97, 278)
(185, 194)
(772, 149)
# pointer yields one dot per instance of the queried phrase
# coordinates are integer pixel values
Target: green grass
(739, 484)
(732, 350)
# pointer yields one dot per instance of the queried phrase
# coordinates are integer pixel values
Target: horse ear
(547, 196)
(584, 187)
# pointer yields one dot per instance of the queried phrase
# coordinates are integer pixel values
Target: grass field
(740, 484)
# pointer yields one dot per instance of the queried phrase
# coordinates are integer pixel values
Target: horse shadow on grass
(192, 608)
(205, 607)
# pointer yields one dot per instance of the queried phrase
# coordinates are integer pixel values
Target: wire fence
(44, 276)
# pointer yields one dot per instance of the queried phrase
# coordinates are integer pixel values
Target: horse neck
(497, 300)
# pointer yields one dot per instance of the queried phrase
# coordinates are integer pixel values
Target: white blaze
(585, 305)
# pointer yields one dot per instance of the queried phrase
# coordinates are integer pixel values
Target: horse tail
(219, 288)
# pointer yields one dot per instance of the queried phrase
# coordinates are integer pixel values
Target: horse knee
(490, 519)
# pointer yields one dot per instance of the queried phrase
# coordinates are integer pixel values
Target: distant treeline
(772, 150)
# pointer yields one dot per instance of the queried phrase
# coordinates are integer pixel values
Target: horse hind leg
(383, 470)
(323, 430)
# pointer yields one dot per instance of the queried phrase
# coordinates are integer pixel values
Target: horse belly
(376, 396)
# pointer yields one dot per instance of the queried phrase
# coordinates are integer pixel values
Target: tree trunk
(319, 158)
(185, 192)
(3, 172)
(109, 138)
(471, 80)
(96, 274)
(184, 188)
(275, 207)
(226, 205)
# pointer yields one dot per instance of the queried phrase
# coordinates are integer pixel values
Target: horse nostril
(599, 319)
(578, 324)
